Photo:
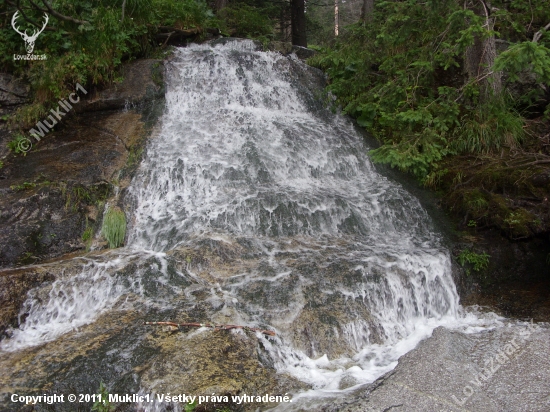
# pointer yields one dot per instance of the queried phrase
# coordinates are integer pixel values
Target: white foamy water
(342, 262)
(76, 298)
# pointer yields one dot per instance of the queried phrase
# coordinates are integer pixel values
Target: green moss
(77, 195)
(476, 202)
(23, 186)
(114, 227)
(518, 223)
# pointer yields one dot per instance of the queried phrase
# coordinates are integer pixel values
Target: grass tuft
(114, 227)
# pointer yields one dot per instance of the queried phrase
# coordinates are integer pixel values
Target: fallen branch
(22, 12)
(184, 33)
(539, 34)
(60, 16)
(210, 325)
(168, 31)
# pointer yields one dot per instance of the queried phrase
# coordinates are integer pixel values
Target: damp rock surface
(502, 370)
(50, 196)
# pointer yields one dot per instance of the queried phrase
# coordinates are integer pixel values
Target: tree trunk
(298, 22)
(219, 4)
(366, 10)
(336, 17)
(480, 56)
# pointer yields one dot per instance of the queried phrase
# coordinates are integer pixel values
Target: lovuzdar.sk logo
(29, 39)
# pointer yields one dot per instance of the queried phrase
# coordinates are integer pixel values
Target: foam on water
(77, 297)
(244, 153)
(247, 155)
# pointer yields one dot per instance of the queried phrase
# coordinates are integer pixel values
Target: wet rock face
(207, 362)
(33, 226)
(516, 282)
(13, 92)
(118, 349)
(143, 82)
(50, 196)
(14, 285)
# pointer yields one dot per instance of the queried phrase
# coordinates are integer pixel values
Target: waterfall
(256, 193)
(248, 156)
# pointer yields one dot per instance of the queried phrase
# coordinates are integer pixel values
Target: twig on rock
(211, 325)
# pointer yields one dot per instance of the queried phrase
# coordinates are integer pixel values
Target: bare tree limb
(27, 18)
(532, 16)
(539, 34)
(54, 13)
(123, 8)
(210, 325)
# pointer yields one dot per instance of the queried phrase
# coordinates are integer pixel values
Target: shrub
(90, 53)
(477, 261)
(102, 405)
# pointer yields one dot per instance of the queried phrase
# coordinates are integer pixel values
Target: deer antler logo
(29, 40)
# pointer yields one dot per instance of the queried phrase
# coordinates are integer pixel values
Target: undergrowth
(471, 260)
(401, 75)
(90, 49)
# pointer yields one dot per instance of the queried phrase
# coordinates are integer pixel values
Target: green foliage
(243, 20)
(190, 407)
(87, 236)
(88, 233)
(103, 405)
(526, 61)
(401, 76)
(114, 227)
(89, 53)
(525, 56)
(488, 128)
(476, 261)
(18, 144)
(182, 14)
(77, 195)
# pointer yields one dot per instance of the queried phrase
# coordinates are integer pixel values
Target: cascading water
(251, 173)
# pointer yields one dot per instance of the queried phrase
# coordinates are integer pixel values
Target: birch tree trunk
(480, 56)
(336, 17)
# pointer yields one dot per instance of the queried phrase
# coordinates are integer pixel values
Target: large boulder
(505, 369)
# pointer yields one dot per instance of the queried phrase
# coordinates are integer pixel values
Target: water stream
(256, 205)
